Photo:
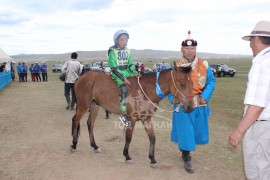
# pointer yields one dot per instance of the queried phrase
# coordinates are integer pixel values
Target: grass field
(213, 161)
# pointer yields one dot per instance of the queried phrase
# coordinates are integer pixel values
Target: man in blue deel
(189, 129)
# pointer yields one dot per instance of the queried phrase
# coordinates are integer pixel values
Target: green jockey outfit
(120, 62)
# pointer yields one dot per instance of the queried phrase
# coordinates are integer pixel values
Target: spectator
(158, 67)
(12, 71)
(33, 75)
(137, 67)
(72, 68)
(37, 72)
(20, 71)
(24, 72)
(142, 68)
(43, 69)
(219, 70)
(163, 66)
(3, 67)
(255, 123)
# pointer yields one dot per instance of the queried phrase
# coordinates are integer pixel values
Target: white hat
(262, 28)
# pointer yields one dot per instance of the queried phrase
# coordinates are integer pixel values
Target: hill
(136, 55)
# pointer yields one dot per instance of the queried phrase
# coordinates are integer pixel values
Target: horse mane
(186, 69)
(151, 74)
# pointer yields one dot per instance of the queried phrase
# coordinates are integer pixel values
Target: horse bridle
(178, 91)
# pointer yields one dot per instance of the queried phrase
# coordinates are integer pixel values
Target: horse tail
(73, 126)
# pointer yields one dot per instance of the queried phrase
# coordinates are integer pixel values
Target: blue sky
(61, 26)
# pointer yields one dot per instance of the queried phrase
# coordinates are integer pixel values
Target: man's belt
(123, 67)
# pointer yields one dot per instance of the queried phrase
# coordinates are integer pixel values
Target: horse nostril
(189, 109)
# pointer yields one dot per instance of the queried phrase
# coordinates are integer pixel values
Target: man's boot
(68, 102)
(187, 161)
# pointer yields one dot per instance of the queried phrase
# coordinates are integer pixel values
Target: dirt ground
(35, 136)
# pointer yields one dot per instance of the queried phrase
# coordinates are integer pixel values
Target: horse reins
(177, 91)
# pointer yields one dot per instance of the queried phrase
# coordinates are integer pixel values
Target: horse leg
(128, 138)
(107, 114)
(75, 131)
(93, 111)
(148, 126)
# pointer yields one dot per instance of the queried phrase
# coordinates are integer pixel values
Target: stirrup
(124, 120)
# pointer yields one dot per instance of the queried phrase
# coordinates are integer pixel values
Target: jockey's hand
(126, 81)
(137, 75)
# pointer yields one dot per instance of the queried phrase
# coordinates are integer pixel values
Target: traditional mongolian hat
(189, 41)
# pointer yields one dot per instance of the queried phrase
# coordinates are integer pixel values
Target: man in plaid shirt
(255, 123)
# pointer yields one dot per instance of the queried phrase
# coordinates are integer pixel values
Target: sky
(63, 26)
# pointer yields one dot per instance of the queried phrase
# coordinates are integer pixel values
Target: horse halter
(178, 91)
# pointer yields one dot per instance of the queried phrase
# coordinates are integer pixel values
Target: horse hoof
(72, 150)
(97, 150)
(154, 165)
(129, 161)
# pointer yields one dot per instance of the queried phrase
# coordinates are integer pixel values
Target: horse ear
(176, 68)
(186, 69)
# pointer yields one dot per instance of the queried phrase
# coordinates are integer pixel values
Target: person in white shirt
(255, 123)
(72, 68)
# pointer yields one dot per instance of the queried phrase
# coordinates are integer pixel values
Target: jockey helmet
(118, 33)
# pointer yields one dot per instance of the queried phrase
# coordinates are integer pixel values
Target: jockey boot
(124, 120)
(187, 161)
(123, 92)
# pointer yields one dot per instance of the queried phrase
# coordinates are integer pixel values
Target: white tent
(5, 58)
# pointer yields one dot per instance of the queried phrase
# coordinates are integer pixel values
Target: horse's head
(182, 87)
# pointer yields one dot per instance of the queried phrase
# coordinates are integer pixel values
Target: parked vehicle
(225, 70)
(87, 67)
(158, 66)
(105, 67)
(57, 68)
(97, 66)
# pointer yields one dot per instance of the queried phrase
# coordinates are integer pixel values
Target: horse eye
(182, 85)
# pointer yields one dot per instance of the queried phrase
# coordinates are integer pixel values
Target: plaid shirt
(258, 86)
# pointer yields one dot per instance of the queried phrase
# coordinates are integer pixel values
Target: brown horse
(95, 89)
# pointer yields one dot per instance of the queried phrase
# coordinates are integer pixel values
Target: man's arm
(64, 67)
(209, 85)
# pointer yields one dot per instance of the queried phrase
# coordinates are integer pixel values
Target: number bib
(122, 56)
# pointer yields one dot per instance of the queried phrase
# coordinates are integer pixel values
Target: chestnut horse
(95, 89)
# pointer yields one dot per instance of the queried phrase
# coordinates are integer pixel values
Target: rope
(161, 109)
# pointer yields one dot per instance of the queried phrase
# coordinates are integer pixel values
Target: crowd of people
(34, 69)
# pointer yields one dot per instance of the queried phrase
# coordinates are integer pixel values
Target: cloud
(48, 26)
